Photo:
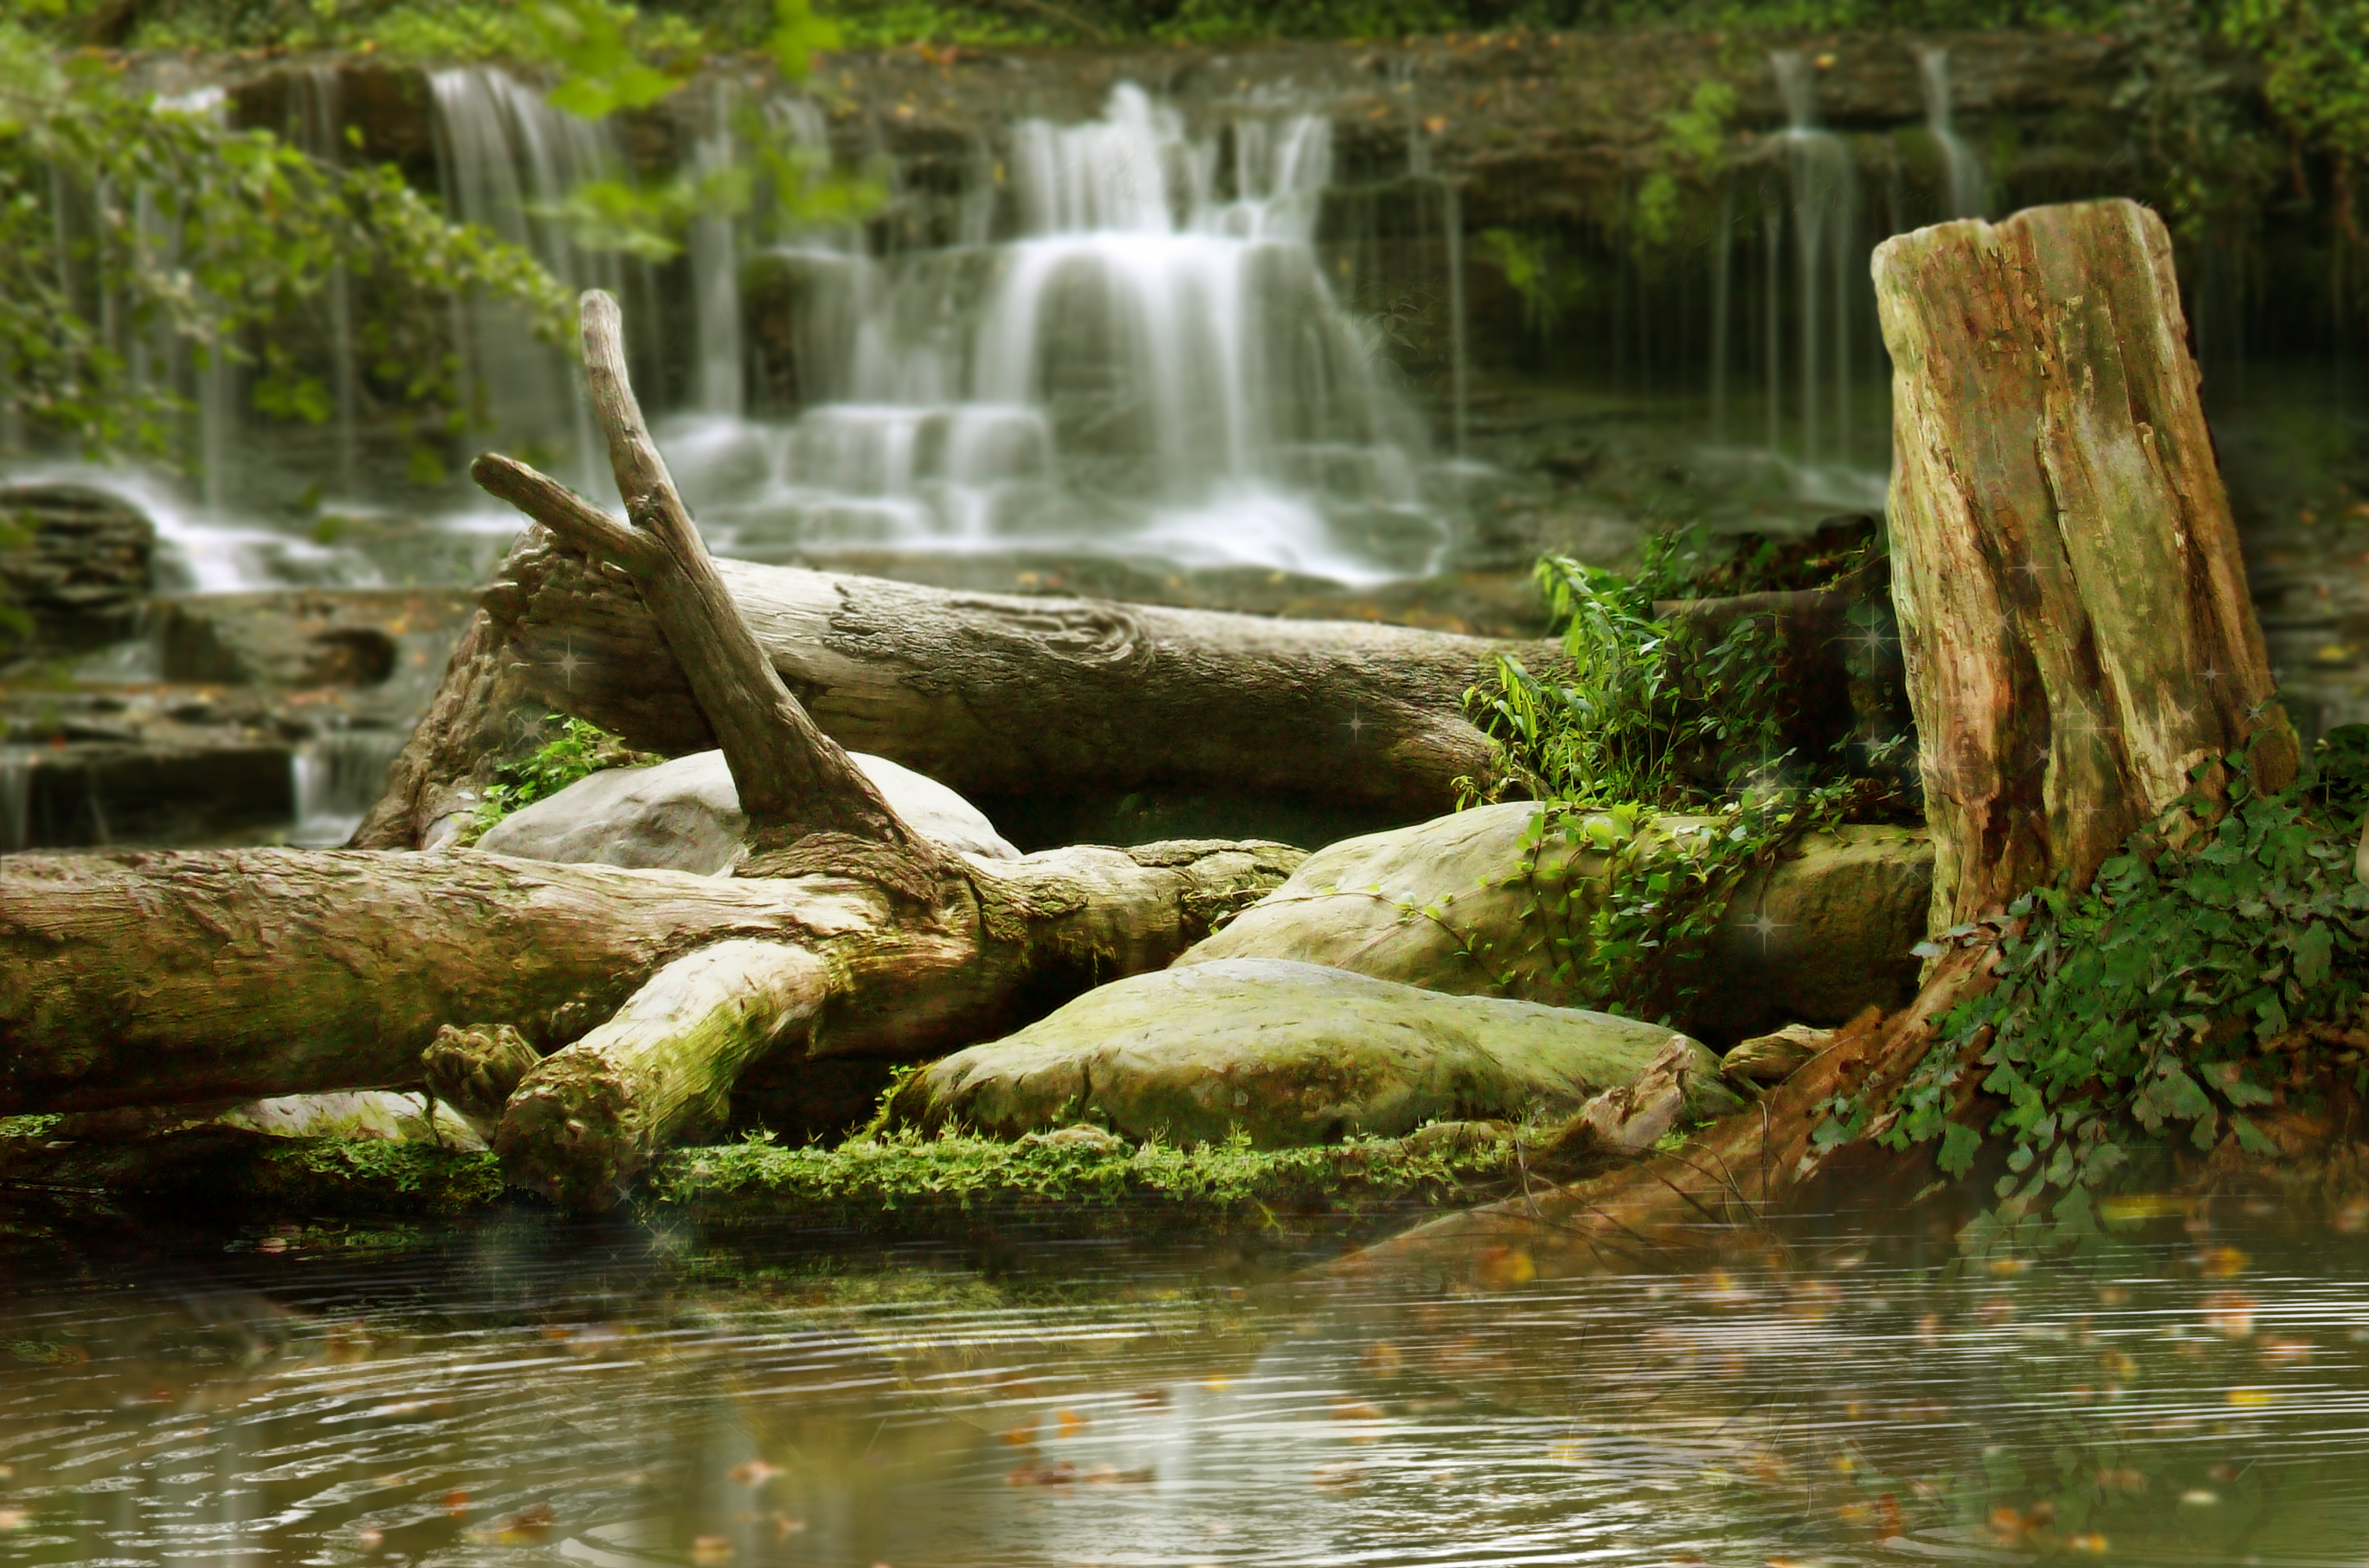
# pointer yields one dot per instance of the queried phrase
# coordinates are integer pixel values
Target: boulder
(1291, 1054)
(1473, 904)
(684, 814)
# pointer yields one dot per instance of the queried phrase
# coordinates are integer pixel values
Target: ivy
(2182, 988)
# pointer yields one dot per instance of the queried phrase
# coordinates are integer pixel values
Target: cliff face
(1528, 123)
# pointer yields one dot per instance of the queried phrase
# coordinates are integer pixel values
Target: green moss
(363, 1175)
(907, 1172)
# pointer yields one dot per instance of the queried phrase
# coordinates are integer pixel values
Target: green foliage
(131, 231)
(1647, 710)
(2172, 997)
(1694, 143)
(887, 1172)
(578, 751)
(1546, 285)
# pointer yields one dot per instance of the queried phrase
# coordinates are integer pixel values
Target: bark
(994, 695)
(794, 782)
(474, 1070)
(2073, 610)
(160, 978)
(586, 1119)
(1713, 1192)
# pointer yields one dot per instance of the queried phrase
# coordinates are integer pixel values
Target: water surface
(523, 1390)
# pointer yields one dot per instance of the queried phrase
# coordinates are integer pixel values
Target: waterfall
(316, 128)
(15, 798)
(1829, 258)
(1151, 366)
(714, 245)
(506, 161)
(338, 776)
(1966, 190)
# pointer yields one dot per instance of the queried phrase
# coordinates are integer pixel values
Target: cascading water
(337, 777)
(1827, 258)
(1965, 187)
(508, 161)
(15, 798)
(1152, 367)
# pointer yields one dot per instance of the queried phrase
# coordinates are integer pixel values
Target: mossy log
(147, 978)
(2073, 608)
(2081, 653)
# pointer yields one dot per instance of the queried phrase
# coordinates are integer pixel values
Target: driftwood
(2077, 638)
(1010, 699)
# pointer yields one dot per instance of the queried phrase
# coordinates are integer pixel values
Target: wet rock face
(1292, 1054)
(73, 567)
(1473, 904)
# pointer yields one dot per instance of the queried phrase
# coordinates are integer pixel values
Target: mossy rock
(1289, 1054)
(1481, 903)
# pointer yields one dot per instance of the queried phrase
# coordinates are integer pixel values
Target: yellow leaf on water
(2252, 1396)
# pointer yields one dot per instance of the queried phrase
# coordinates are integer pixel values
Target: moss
(912, 1176)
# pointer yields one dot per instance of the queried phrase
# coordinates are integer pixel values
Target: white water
(1828, 260)
(508, 161)
(1152, 367)
(15, 798)
(339, 776)
(1967, 188)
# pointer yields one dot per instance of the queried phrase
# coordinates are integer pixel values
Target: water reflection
(524, 1393)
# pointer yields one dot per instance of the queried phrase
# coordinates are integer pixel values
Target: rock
(74, 566)
(1082, 1136)
(684, 814)
(1454, 904)
(1772, 1059)
(308, 638)
(1290, 1053)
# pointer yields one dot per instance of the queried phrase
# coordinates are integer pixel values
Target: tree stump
(2079, 642)
(2073, 610)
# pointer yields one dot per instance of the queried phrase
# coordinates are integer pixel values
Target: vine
(2184, 989)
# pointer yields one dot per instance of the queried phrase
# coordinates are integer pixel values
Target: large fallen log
(2079, 641)
(163, 977)
(999, 696)
(152, 978)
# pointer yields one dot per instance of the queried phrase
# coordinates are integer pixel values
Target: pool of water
(525, 1390)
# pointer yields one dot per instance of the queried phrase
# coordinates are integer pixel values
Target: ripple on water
(519, 1392)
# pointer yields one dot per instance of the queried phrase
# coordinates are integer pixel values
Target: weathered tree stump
(2073, 609)
(2079, 641)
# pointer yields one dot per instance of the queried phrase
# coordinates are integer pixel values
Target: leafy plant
(132, 231)
(1647, 709)
(578, 751)
(2178, 991)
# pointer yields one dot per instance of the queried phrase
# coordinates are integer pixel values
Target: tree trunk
(2079, 640)
(160, 977)
(997, 696)
(2073, 610)
(589, 1118)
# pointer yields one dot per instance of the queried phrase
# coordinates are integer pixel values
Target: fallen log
(163, 977)
(153, 979)
(1005, 698)
(2078, 644)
